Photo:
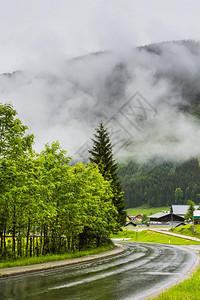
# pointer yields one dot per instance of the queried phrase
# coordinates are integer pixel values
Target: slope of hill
(160, 184)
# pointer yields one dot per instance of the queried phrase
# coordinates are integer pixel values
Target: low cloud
(139, 92)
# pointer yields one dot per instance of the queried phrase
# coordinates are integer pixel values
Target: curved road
(135, 274)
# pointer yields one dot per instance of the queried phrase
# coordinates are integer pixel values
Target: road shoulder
(186, 237)
(24, 270)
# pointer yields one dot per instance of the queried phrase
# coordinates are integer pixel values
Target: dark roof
(159, 215)
(165, 217)
(130, 223)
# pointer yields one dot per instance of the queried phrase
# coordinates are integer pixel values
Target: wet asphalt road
(135, 274)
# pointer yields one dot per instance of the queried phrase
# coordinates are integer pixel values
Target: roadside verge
(186, 237)
(23, 270)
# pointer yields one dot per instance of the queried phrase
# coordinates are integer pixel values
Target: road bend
(135, 274)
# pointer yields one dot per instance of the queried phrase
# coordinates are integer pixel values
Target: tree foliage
(160, 184)
(190, 212)
(178, 196)
(47, 206)
(102, 155)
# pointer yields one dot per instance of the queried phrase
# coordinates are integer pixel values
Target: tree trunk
(68, 243)
(98, 240)
(19, 245)
(13, 233)
(4, 239)
(31, 242)
(33, 245)
(40, 241)
(1, 236)
(37, 247)
(27, 236)
(45, 241)
(72, 244)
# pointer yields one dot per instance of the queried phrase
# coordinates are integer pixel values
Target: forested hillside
(160, 184)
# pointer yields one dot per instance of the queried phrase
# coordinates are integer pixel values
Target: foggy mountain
(148, 98)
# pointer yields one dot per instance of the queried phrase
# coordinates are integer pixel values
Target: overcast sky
(32, 30)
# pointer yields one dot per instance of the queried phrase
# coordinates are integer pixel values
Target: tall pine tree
(101, 154)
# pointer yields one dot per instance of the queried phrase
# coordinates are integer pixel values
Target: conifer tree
(102, 155)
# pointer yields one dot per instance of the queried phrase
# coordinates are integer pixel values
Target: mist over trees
(166, 74)
(69, 99)
(160, 182)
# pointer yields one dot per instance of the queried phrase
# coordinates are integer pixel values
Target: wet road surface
(140, 271)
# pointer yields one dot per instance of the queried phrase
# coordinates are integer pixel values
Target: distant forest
(166, 183)
(163, 183)
(160, 185)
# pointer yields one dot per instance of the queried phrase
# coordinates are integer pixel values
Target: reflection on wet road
(138, 272)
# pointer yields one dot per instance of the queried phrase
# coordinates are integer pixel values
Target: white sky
(31, 30)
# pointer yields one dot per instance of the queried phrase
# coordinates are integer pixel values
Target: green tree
(13, 141)
(46, 205)
(190, 212)
(198, 198)
(145, 218)
(15, 148)
(178, 196)
(76, 203)
(54, 186)
(102, 155)
(96, 216)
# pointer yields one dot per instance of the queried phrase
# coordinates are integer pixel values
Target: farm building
(165, 218)
(181, 210)
(138, 217)
(196, 216)
(130, 224)
(135, 218)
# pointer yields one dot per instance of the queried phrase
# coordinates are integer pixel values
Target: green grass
(187, 230)
(153, 237)
(144, 209)
(188, 289)
(47, 258)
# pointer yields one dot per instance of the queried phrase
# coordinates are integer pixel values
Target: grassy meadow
(148, 236)
(145, 209)
(190, 230)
